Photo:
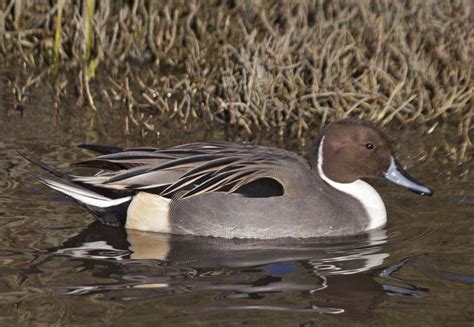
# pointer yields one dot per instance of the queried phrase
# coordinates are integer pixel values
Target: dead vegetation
(285, 66)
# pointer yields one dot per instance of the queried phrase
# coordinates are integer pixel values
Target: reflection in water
(236, 268)
(104, 276)
(407, 289)
(336, 255)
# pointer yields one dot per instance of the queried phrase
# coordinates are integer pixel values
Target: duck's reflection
(333, 275)
(344, 255)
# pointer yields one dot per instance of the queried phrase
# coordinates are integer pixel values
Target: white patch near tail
(149, 212)
(83, 195)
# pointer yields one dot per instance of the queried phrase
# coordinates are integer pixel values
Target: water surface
(58, 267)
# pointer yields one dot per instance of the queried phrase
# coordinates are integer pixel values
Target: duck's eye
(370, 146)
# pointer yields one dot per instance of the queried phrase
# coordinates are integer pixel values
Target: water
(58, 267)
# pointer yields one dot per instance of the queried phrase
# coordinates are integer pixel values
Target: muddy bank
(249, 67)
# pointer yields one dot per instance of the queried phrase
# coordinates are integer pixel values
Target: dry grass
(285, 67)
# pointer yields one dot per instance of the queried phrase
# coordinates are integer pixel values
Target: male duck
(239, 190)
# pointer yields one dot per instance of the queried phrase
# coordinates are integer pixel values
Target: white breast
(362, 191)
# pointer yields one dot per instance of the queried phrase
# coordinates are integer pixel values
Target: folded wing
(184, 171)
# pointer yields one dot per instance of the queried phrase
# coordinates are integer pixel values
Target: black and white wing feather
(186, 170)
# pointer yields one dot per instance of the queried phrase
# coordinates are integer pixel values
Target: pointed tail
(106, 209)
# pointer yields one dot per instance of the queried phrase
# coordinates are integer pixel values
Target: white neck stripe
(362, 191)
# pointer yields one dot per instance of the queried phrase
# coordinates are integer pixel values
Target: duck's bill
(398, 176)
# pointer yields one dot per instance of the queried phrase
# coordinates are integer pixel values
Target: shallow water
(58, 267)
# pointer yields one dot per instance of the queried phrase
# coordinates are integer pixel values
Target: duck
(231, 190)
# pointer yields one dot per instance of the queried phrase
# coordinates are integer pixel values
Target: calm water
(58, 267)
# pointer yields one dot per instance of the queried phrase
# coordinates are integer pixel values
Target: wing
(187, 170)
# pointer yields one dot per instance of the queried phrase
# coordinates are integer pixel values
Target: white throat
(362, 191)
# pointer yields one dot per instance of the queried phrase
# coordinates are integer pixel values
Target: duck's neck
(360, 190)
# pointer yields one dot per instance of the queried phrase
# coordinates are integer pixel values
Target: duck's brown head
(351, 149)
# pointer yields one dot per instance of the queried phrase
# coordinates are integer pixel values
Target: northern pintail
(239, 190)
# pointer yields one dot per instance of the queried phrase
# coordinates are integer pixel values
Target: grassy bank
(285, 67)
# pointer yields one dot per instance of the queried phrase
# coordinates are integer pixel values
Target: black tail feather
(87, 196)
(50, 169)
(68, 179)
(114, 215)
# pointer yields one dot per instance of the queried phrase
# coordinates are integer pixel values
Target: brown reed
(285, 66)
